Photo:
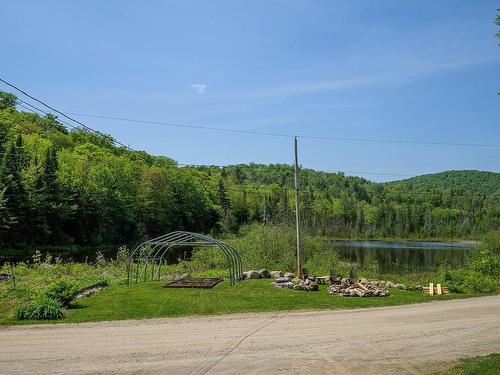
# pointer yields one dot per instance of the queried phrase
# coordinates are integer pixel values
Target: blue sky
(413, 70)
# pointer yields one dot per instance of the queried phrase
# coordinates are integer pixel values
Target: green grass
(151, 300)
(485, 365)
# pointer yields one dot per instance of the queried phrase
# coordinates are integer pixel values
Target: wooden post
(431, 289)
(297, 209)
(439, 289)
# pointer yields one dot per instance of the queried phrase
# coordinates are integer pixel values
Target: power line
(271, 134)
(185, 125)
(61, 113)
(222, 166)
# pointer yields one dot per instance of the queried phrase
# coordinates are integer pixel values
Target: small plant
(48, 259)
(62, 291)
(42, 309)
(36, 258)
(100, 259)
(122, 255)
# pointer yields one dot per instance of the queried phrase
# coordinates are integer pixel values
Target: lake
(402, 256)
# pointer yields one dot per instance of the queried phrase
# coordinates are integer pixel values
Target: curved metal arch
(153, 251)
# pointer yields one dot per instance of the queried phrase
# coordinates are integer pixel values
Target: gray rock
(252, 274)
(264, 274)
(289, 275)
(281, 280)
(300, 286)
(287, 285)
(363, 281)
(276, 274)
(353, 293)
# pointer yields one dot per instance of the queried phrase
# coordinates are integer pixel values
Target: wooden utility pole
(297, 210)
(265, 209)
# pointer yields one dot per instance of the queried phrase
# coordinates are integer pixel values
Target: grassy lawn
(151, 300)
(485, 365)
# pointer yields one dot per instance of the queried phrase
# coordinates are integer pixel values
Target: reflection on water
(67, 253)
(402, 256)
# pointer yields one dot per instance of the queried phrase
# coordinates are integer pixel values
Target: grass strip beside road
(483, 365)
(151, 300)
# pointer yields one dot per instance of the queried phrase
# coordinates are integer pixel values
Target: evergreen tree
(224, 203)
(15, 194)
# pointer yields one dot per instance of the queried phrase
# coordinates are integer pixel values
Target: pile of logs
(347, 287)
(353, 287)
(357, 289)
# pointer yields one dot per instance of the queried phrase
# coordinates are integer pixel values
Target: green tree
(15, 194)
(7, 100)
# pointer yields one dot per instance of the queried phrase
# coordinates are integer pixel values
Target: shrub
(481, 273)
(62, 291)
(273, 247)
(42, 309)
(122, 255)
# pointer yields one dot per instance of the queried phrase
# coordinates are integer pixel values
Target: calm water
(402, 256)
(67, 253)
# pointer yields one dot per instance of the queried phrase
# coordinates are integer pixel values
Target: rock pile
(347, 287)
(357, 289)
(287, 282)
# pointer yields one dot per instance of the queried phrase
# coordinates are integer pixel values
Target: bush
(481, 273)
(42, 309)
(273, 247)
(62, 291)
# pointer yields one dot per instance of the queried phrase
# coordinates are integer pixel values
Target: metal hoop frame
(153, 251)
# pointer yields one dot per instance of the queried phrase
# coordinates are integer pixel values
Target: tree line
(61, 187)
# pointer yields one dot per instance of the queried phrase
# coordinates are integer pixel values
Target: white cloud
(396, 77)
(199, 88)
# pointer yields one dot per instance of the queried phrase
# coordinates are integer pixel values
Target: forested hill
(469, 181)
(60, 187)
(487, 183)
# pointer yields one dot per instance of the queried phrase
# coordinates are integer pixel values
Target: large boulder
(281, 280)
(389, 284)
(287, 285)
(264, 274)
(252, 274)
(300, 287)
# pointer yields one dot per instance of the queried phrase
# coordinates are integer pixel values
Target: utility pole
(265, 209)
(297, 208)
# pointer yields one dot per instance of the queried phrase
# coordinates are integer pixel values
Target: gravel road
(409, 339)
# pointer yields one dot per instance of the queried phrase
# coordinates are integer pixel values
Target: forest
(61, 186)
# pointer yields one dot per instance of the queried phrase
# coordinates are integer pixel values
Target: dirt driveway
(405, 339)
